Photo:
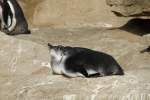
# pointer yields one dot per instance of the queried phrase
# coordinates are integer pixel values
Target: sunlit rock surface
(19, 57)
(26, 74)
(25, 61)
(70, 13)
(130, 7)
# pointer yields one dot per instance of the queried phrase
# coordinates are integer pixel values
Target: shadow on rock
(137, 26)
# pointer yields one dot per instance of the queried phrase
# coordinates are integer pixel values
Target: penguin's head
(60, 53)
(61, 50)
(57, 53)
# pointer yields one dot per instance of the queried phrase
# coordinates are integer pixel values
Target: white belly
(57, 66)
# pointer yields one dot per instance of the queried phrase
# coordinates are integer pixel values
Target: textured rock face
(24, 62)
(70, 13)
(20, 57)
(130, 7)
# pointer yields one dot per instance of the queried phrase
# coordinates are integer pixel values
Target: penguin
(2, 23)
(145, 50)
(12, 18)
(82, 62)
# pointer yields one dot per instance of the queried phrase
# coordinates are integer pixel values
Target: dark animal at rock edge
(82, 62)
(12, 18)
(146, 50)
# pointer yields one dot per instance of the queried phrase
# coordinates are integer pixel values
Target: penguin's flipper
(91, 72)
(72, 74)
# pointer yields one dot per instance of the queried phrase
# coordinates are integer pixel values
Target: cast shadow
(137, 26)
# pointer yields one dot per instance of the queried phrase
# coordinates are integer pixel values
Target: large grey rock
(130, 7)
(28, 77)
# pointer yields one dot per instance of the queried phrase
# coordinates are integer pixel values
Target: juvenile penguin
(12, 18)
(82, 62)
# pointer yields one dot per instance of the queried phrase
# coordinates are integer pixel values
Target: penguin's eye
(65, 52)
(56, 48)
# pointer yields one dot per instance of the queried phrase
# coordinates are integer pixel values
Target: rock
(20, 57)
(28, 8)
(147, 39)
(28, 78)
(70, 13)
(130, 7)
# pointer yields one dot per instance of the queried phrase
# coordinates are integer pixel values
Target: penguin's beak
(50, 46)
